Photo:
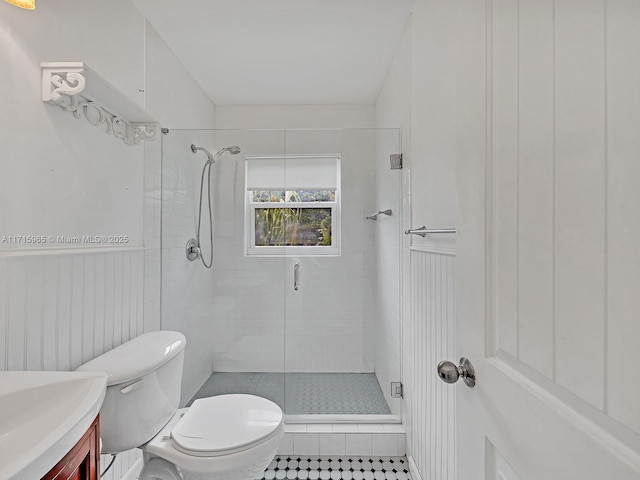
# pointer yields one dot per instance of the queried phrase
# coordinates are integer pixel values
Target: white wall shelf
(75, 88)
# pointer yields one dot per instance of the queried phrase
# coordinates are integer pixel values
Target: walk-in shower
(290, 210)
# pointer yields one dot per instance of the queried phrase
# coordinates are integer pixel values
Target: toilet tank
(144, 377)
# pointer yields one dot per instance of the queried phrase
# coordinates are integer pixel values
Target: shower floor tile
(305, 393)
(337, 468)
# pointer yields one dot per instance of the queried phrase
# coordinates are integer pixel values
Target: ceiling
(260, 52)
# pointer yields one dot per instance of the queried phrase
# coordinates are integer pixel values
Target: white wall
(295, 116)
(419, 95)
(62, 176)
(433, 203)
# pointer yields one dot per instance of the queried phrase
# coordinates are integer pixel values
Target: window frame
(251, 249)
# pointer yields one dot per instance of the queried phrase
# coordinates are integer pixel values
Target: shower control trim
(192, 250)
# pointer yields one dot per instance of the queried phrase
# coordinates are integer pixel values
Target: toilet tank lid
(137, 357)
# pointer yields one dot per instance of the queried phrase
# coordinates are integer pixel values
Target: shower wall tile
(344, 428)
(306, 444)
(319, 428)
(385, 444)
(186, 302)
(342, 442)
(333, 444)
(295, 428)
(358, 443)
(286, 444)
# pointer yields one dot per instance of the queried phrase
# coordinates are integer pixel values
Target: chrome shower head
(210, 157)
(233, 150)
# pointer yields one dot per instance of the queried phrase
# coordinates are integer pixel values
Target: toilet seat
(226, 424)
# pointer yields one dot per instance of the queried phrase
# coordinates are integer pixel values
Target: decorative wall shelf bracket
(75, 88)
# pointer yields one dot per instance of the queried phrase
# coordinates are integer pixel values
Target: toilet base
(156, 468)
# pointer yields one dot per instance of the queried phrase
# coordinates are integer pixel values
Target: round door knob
(449, 372)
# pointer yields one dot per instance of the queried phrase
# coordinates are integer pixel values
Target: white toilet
(227, 437)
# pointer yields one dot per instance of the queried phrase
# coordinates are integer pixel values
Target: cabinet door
(83, 461)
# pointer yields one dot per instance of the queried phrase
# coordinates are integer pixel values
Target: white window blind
(292, 173)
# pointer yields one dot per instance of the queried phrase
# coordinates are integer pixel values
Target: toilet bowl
(226, 437)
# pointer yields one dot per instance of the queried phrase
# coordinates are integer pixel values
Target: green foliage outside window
(293, 226)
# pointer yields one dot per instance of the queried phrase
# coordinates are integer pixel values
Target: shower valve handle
(192, 250)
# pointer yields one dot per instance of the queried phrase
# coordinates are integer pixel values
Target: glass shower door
(342, 293)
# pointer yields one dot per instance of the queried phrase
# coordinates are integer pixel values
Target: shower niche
(302, 302)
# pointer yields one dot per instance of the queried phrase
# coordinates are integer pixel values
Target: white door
(548, 266)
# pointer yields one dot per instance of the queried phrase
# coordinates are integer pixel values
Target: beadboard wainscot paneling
(61, 308)
(433, 416)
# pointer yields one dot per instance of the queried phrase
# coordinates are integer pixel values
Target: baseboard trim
(413, 468)
(134, 471)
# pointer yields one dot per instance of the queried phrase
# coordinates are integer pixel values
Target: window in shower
(293, 205)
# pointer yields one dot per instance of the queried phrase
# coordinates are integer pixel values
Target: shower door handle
(296, 268)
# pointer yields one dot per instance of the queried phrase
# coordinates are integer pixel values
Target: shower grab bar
(424, 231)
(296, 268)
(374, 216)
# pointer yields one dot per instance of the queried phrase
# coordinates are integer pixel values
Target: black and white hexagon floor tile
(337, 468)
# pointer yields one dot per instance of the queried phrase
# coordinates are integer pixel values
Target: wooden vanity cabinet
(83, 460)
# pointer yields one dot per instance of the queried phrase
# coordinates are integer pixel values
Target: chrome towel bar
(424, 231)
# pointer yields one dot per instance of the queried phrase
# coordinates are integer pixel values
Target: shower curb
(383, 440)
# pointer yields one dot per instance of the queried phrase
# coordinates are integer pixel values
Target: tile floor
(305, 393)
(337, 468)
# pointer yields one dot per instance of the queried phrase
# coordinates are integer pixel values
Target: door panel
(623, 254)
(544, 258)
(498, 467)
